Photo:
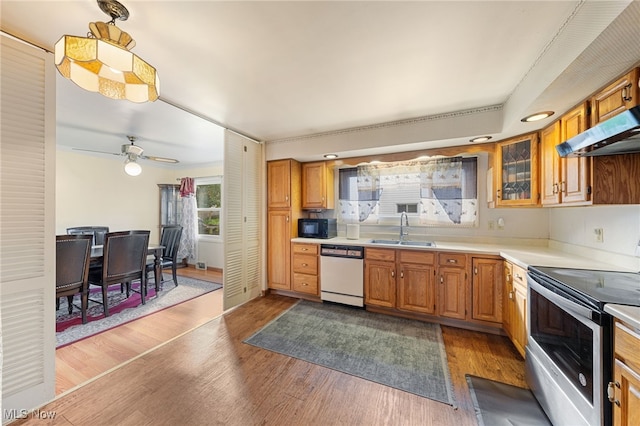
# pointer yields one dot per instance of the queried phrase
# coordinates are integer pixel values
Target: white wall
(620, 225)
(96, 191)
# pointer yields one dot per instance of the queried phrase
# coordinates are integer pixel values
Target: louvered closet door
(27, 227)
(241, 219)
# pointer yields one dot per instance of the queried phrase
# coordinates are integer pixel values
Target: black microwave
(317, 228)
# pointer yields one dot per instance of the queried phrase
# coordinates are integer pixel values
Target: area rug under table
(404, 354)
(69, 328)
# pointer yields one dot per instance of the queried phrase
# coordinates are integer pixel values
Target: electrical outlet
(598, 235)
(492, 224)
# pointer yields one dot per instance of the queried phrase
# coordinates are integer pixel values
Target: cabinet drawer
(519, 276)
(304, 283)
(626, 344)
(380, 254)
(304, 248)
(305, 264)
(422, 257)
(454, 260)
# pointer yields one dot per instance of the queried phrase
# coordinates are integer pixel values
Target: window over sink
(439, 191)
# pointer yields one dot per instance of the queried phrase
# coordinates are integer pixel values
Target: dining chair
(170, 239)
(98, 232)
(123, 261)
(73, 254)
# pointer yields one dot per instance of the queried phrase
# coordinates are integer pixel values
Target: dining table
(153, 249)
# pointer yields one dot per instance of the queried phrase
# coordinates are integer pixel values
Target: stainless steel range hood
(617, 135)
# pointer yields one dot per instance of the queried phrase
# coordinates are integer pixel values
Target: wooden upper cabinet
(575, 183)
(317, 186)
(617, 97)
(564, 180)
(517, 171)
(283, 179)
(550, 165)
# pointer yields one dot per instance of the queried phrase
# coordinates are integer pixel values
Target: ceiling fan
(133, 152)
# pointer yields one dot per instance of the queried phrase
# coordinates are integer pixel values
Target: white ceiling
(279, 70)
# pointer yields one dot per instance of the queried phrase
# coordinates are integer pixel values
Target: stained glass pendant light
(102, 62)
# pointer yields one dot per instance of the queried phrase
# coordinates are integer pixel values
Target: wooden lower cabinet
(486, 288)
(435, 286)
(279, 249)
(452, 285)
(416, 286)
(626, 374)
(380, 277)
(515, 306)
(452, 293)
(304, 268)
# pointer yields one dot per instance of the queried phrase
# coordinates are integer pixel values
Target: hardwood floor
(89, 358)
(208, 376)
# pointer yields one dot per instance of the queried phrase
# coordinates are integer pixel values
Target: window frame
(212, 180)
(387, 219)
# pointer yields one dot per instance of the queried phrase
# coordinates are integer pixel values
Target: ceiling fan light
(132, 168)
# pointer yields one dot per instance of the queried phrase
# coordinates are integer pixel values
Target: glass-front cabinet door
(517, 171)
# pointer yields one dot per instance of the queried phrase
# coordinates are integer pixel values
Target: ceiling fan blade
(98, 152)
(159, 159)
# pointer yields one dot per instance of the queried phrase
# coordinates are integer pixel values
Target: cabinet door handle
(611, 392)
(393, 274)
(441, 279)
(452, 260)
(305, 249)
(304, 264)
(626, 93)
(497, 194)
(563, 187)
(508, 278)
(286, 198)
(287, 218)
(475, 270)
(510, 295)
(401, 274)
(555, 188)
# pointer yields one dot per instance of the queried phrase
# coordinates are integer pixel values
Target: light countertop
(522, 256)
(627, 314)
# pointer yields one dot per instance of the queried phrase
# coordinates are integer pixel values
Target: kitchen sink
(418, 243)
(385, 242)
(405, 243)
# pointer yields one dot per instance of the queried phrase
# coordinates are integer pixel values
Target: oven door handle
(562, 302)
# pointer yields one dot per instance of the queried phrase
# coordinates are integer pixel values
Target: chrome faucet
(404, 225)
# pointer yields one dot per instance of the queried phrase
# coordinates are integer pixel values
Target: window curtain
(189, 239)
(448, 193)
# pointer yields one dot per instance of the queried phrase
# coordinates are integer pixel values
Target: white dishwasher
(342, 274)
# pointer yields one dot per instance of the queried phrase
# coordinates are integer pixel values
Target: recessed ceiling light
(331, 156)
(537, 116)
(480, 139)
